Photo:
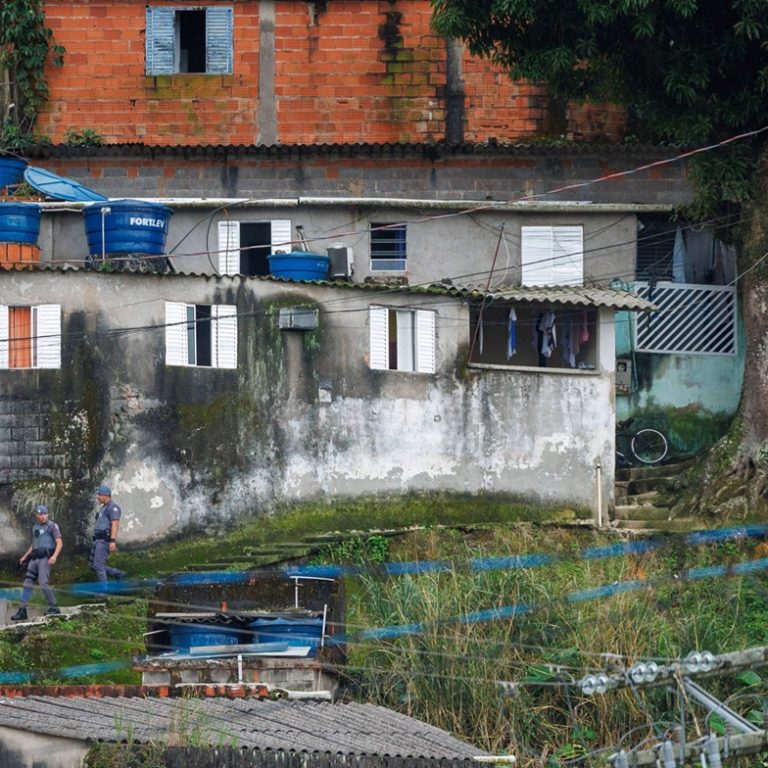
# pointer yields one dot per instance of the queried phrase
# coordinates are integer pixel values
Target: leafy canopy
(689, 70)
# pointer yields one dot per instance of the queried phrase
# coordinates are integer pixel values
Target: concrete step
(643, 472)
(664, 526)
(637, 512)
(649, 499)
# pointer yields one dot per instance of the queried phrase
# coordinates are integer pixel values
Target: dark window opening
(191, 26)
(255, 247)
(203, 335)
(655, 247)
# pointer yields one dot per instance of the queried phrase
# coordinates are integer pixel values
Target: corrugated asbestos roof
(570, 295)
(302, 726)
(579, 295)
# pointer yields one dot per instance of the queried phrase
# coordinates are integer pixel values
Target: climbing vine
(26, 45)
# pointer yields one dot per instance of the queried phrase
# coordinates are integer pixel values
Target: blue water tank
(299, 265)
(295, 632)
(19, 223)
(126, 226)
(11, 171)
(186, 636)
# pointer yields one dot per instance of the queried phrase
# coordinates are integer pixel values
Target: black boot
(20, 615)
(54, 610)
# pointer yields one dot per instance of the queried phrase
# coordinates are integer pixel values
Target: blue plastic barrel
(126, 226)
(11, 171)
(186, 636)
(19, 223)
(299, 265)
(295, 632)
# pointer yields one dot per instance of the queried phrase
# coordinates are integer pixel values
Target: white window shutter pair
(422, 322)
(229, 243)
(223, 335)
(552, 255)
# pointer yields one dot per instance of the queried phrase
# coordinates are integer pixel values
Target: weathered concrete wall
(302, 417)
(484, 172)
(24, 749)
(441, 242)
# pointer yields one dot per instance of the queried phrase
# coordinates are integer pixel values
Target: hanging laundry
(546, 328)
(569, 340)
(679, 258)
(584, 336)
(511, 334)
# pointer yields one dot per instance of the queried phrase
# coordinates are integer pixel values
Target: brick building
(271, 72)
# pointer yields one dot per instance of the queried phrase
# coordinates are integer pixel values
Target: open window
(202, 335)
(189, 40)
(535, 336)
(402, 339)
(30, 336)
(245, 246)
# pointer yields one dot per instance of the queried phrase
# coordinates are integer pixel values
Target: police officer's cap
(41, 509)
(103, 490)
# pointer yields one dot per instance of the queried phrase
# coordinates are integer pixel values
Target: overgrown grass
(447, 670)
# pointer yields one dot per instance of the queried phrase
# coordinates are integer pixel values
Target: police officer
(105, 536)
(41, 555)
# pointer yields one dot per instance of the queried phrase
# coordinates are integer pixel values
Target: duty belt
(101, 536)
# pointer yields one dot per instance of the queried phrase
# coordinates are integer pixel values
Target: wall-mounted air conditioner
(342, 261)
(297, 319)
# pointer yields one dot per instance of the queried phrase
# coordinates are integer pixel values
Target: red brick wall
(364, 72)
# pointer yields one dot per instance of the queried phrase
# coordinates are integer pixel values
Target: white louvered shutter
(224, 336)
(536, 255)
(176, 334)
(218, 41)
(3, 336)
(567, 256)
(552, 255)
(229, 247)
(160, 41)
(281, 235)
(425, 341)
(48, 333)
(378, 322)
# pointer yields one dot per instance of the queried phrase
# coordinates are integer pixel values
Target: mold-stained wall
(303, 416)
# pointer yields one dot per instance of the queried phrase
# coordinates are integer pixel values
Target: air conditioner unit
(297, 319)
(342, 261)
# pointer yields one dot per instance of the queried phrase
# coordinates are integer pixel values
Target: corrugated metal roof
(578, 295)
(311, 726)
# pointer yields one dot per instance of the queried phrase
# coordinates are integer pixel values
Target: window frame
(419, 325)
(179, 345)
(162, 48)
(45, 332)
(552, 254)
(387, 239)
(230, 259)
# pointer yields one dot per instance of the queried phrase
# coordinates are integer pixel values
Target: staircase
(644, 497)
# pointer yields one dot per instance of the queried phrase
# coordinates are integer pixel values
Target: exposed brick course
(355, 72)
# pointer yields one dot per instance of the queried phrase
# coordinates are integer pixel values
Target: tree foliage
(26, 46)
(689, 70)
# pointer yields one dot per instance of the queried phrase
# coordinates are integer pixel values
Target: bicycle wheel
(649, 446)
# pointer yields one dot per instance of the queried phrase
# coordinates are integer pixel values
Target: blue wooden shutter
(218, 41)
(160, 41)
